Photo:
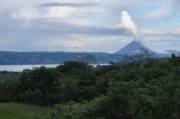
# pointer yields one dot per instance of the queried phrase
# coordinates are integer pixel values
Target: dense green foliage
(4, 75)
(19, 111)
(147, 90)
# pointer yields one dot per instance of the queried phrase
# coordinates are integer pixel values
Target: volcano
(136, 48)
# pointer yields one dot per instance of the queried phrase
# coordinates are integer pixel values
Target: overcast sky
(88, 25)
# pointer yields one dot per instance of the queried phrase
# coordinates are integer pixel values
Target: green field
(19, 111)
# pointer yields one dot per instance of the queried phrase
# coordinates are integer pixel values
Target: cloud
(72, 43)
(128, 23)
(69, 4)
(163, 9)
(35, 13)
(177, 2)
(50, 24)
(60, 12)
(23, 13)
(61, 28)
(169, 33)
(159, 13)
(72, 11)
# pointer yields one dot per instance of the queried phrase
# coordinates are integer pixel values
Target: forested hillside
(146, 90)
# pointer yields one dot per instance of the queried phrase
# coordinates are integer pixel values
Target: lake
(22, 67)
(19, 68)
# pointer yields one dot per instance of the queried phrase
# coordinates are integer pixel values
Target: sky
(88, 25)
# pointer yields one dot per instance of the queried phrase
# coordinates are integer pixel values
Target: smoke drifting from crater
(128, 24)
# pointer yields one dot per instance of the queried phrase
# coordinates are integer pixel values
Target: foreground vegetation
(146, 90)
(4, 75)
(19, 111)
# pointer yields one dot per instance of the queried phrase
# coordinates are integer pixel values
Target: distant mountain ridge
(21, 58)
(175, 52)
(133, 51)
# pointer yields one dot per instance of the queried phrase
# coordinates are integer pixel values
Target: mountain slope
(135, 48)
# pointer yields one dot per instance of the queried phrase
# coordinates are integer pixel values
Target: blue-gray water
(19, 68)
(22, 67)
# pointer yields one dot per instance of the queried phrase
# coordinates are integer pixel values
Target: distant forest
(75, 90)
(55, 57)
(20, 58)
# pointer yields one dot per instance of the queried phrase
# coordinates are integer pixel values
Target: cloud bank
(89, 25)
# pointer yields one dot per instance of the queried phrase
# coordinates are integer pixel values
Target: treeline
(47, 86)
(5, 75)
(148, 90)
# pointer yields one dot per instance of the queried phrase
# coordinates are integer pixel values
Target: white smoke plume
(128, 24)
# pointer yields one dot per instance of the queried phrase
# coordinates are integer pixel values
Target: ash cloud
(127, 23)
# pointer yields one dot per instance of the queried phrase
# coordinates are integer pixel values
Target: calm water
(20, 68)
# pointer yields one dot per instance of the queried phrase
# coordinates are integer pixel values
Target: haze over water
(20, 68)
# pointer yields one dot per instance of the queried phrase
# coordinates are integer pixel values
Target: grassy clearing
(21, 111)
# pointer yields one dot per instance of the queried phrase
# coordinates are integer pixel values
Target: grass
(21, 111)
